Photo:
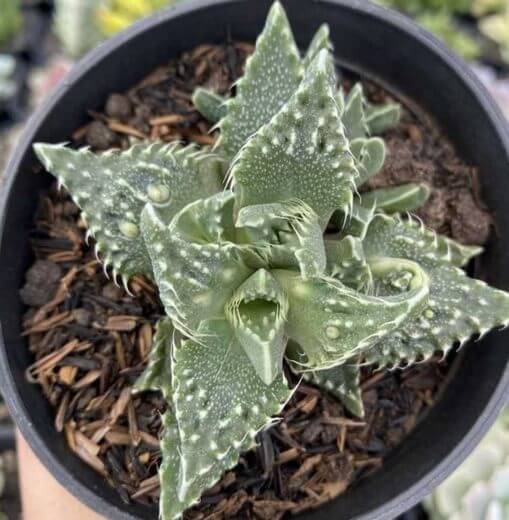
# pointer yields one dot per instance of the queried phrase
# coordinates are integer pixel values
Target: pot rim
(455, 64)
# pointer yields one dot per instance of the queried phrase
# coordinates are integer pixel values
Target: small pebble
(118, 107)
(100, 137)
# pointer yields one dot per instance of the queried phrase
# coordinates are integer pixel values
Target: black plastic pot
(373, 41)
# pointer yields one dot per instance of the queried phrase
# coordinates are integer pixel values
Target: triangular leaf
(287, 233)
(458, 306)
(257, 313)
(342, 382)
(321, 40)
(197, 265)
(272, 74)
(353, 116)
(220, 404)
(302, 153)
(331, 322)
(171, 506)
(398, 238)
(397, 199)
(112, 189)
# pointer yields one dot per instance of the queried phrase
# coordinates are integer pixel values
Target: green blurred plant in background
(10, 19)
(83, 24)
(479, 489)
(441, 18)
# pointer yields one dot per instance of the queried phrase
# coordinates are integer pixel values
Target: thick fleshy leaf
(257, 312)
(342, 382)
(369, 157)
(331, 322)
(157, 373)
(288, 233)
(346, 262)
(458, 306)
(220, 404)
(321, 40)
(380, 118)
(397, 199)
(210, 105)
(407, 238)
(353, 116)
(112, 189)
(302, 153)
(272, 74)
(197, 265)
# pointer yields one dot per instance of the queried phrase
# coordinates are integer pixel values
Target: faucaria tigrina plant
(251, 276)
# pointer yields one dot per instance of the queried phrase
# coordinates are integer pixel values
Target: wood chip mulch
(90, 339)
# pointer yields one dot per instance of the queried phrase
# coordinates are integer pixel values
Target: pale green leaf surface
(112, 189)
(342, 382)
(272, 74)
(380, 118)
(356, 222)
(332, 322)
(397, 199)
(353, 116)
(369, 157)
(258, 312)
(197, 265)
(302, 153)
(321, 40)
(346, 262)
(210, 105)
(458, 306)
(220, 404)
(288, 234)
(171, 506)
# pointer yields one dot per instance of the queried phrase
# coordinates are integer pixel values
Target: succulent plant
(10, 20)
(479, 488)
(249, 281)
(115, 15)
(75, 25)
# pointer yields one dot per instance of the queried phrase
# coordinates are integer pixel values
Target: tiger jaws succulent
(267, 259)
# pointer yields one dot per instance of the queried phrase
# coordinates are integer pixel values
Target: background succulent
(75, 25)
(479, 488)
(247, 277)
(113, 16)
(10, 20)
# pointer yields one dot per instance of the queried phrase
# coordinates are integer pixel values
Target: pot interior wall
(367, 44)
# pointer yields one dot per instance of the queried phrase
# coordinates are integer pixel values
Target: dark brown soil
(91, 340)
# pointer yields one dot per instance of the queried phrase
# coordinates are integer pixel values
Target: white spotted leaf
(288, 234)
(197, 264)
(347, 263)
(272, 74)
(302, 153)
(342, 382)
(331, 322)
(458, 306)
(220, 404)
(257, 312)
(112, 188)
